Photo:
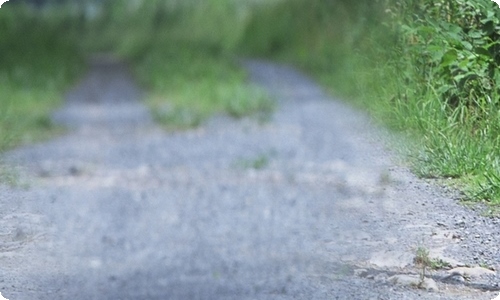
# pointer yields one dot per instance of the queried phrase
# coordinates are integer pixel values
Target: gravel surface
(309, 205)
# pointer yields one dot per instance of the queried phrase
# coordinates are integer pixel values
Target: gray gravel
(310, 205)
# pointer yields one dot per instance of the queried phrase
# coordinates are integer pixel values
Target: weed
(486, 266)
(423, 261)
(259, 162)
(385, 178)
(437, 263)
(177, 117)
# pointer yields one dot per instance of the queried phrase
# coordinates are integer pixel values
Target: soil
(308, 205)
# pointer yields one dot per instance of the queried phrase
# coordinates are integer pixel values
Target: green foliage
(38, 60)
(180, 53)
(189, 85)
(257, 162)
(454, 50)
(179, 50)
(456, 45)
(425, 68)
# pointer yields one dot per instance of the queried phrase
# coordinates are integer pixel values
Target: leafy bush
(453, 46)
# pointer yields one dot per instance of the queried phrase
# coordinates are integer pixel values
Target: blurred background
(426, 68)
(186, 51)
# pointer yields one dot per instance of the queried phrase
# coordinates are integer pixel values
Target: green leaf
(467, 45)
(482, 51)
(475, 34)
(464, 64)
(449, 58)
(489, 27)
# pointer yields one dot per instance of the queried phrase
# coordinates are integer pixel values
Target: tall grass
(38, 60)
(428, 69)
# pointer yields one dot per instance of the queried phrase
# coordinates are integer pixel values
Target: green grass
(188, 85)
(181, 54)
(257, 162)
(432, 81)
(39, 60)
(186, 67)
(426, 69)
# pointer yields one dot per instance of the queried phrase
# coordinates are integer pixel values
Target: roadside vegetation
(427, 69)
(38, 60)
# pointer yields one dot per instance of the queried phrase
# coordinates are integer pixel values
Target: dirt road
(306, 206)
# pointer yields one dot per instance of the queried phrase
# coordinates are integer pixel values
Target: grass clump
(258, 162)
(189, 85)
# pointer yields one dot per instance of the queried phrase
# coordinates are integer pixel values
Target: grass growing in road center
(180, 52)
(189, 85)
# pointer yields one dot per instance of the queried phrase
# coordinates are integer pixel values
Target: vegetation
(426, 68)
(182, 53)
(187, 69)
(38, 60)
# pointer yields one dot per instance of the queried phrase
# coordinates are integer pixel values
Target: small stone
(472, 272)
(455, 278)
(360, 272)
(75, 170)
(381, 277)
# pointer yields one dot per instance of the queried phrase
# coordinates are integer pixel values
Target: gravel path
(306, 206)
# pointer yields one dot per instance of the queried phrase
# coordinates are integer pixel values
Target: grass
(188, 85)
(385, 57)
(29, 119)
(425, 263)
(258, 162)
(39, 61)
(431, 80)
(187, 69)
(184, 63)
